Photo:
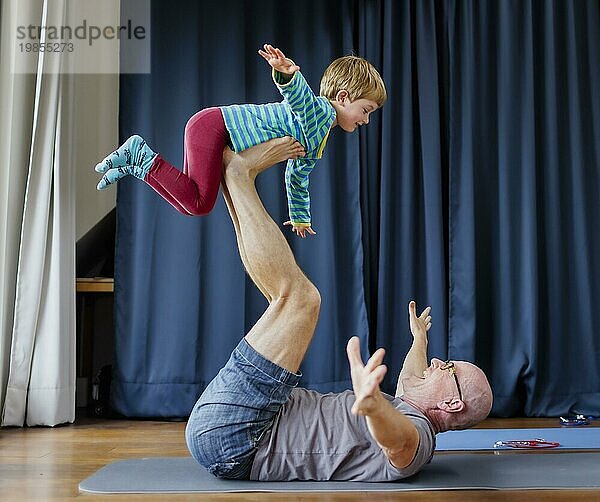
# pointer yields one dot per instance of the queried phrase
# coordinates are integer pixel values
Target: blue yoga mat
(483, 439)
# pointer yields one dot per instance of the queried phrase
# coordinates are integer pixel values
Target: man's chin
(412, 382)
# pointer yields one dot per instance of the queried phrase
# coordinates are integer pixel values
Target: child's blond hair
(355, 75)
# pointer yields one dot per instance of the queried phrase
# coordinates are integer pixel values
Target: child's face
(351, 114)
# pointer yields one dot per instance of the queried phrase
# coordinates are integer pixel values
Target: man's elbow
(403, 455)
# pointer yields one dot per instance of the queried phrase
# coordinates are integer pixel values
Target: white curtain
(38, 137)
(38, 264)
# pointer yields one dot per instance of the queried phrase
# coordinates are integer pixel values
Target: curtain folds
(474, 190)
(38, 259)
(412, 246)
(524, 180)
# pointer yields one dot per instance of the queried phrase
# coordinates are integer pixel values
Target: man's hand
(278, 61)
(301, 230)
(419, 326)
(365, 378)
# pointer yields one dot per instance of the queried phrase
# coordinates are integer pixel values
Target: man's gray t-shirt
(316, 437)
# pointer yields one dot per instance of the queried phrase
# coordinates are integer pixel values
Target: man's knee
(304, 296)
(312, 297)
(202, 439)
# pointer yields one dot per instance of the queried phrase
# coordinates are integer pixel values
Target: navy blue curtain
(411, 249)
(474, 190)
(524, 161)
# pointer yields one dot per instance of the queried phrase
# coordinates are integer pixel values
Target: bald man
(253, 422)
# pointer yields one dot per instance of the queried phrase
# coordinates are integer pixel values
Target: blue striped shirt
(301, 115)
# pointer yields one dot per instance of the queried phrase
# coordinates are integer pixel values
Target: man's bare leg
(236, 226)
(260, 158)
(283, 333)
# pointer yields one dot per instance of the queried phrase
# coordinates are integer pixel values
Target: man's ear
(341, 96)
(453, 405)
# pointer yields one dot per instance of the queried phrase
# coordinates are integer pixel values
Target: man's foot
(260, 157)
(133, 157)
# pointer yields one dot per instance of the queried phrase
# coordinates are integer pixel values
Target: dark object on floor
(574, 421)
(101, 392)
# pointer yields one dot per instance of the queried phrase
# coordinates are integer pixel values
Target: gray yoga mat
(445, 472)
(570, 438)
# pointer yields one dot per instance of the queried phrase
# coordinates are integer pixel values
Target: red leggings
(194, 191)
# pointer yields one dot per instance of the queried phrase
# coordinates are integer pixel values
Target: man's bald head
(451, 402)
(476, 395)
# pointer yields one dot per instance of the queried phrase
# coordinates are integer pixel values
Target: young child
(351, 89)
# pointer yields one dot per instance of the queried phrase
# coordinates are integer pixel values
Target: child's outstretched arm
(309, 113)
(278, 61)
(296, 92)
(296, 187)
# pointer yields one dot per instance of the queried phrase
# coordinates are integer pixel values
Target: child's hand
(278, 61)
(300, 230)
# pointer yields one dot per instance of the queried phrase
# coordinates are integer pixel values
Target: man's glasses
(449, 365)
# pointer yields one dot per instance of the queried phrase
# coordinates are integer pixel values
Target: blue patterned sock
(133, 157)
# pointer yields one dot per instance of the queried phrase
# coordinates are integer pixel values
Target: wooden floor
(47, 464)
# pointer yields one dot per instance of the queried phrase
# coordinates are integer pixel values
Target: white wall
(96, 136)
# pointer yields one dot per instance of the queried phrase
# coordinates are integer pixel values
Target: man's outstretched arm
(394, 433)
(415, 362)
